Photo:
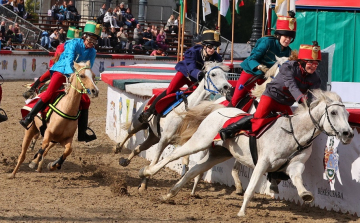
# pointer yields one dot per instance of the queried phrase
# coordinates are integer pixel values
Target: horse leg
(235, 174)
(29, 134)
(259, 170)
(119, 146)
(33, 142)
(57, 163)
(41, 162)
(185, 165)
(152, 139)
(131, 132)
(216, 155)
(198, 177)
(295, 171)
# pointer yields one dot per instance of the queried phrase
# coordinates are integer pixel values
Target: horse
(284, 147)
(215, 81)
(60, 129)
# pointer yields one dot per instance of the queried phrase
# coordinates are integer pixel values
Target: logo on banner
(331, 162)
(112, 64)
(24, 64)
(122, 63)
(4, 64)
(15, 65)
(33, 65)
(101, 67)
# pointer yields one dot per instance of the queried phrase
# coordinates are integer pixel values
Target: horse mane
(191, 120)
(210, 64)
(317, 96)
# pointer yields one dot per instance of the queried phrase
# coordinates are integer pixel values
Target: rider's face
(209, 50)
(285, 41)
(90, 42)
(311, 66)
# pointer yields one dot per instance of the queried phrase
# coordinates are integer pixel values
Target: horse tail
(259, 89)
(192, 119)
(126, 125)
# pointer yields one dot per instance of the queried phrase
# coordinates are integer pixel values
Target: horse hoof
(32, 165)
(51, 167)
(142, 172)
(117, 148)
(307, 196)
(11, 176)
(241, 214)
(239, 192)
(274, 189)
(142, 188)
(124, 162)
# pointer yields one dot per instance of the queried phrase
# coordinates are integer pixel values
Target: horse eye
(333, 113)
(82, 75)
(213, 75)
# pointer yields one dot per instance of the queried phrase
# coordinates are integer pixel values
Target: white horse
(286, 142)
(215, 81)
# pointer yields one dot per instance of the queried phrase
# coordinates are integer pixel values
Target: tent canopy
(328, 4)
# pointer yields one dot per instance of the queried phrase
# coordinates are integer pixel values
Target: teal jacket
(264, 53)
(74, 51)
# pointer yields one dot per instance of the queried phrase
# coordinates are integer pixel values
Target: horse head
(215, 79)
(83, 79)
(330, 115)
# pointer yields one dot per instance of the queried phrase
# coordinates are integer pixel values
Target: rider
(189, 71)
(262, 57)
(75, 50)
(72, 33)
(295, 78)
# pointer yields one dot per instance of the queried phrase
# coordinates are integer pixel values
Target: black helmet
(211, 37)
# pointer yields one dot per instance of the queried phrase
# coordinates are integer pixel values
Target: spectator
(45, 40)
(14, 4)
(105, 41)
(72, 12)
(54, 38)
(118, 16)
(175, 26)
(122, 37)
(129, 19)
(2, 28)
(7, 4)
(110, 18)
(154, 31)
(17, 33)
(122, 8)
(10, 34)
(160, 40)
(158, 52)
(2, 40)
(62, 36)
(21, 8)
(138, 35)
(113, 38)
(63, 9)
(170, 23)
(55, 11)
(102, 12)
(148, 39)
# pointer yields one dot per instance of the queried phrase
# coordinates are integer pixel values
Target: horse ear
(88, 63)
(76, 65)
(277, 58)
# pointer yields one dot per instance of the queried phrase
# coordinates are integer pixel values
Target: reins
(84, 90)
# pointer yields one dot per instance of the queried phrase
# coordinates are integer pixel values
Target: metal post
(161, 15)
(142, 4)
(257, 26)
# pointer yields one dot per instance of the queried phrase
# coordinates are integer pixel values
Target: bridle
(208, 81)
(84, 90)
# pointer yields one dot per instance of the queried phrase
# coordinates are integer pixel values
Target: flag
(224, 7)
(238, 4)
(183, 7)
(281, 7)
(206, 8)
(214, 2)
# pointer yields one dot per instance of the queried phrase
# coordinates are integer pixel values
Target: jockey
(189, 71)
(75, 50)
(262, 57)
(72, 33)
(295, 78)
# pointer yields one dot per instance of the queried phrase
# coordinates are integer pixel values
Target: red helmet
(286, 26)
(310, 52)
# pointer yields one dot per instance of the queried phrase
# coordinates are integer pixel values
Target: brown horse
(60, 129)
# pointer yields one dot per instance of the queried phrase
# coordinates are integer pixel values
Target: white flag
(206, 8)
(281, 7)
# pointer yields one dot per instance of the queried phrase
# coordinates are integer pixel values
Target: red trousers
(241, 90)
(45, 76)
(177, 82)
(57, 80)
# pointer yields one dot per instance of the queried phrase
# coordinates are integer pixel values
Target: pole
(269, 21)
(263, 23)
(197, 16)
(182, 32)
(219, 27)
(288, 6)
(179, 32)
(256, 28)
(232, 33)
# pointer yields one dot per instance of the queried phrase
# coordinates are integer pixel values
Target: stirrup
(23, 123)
(85, 137)
(29, 93)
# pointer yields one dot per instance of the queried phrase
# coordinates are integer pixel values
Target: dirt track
(91, 186)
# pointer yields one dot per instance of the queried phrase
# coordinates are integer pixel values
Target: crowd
(17, 6)
(10, 35)
(66, 11)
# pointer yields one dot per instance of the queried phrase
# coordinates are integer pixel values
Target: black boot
(3, 117)
(232, 129)
(29, 93)
(145, 115)
(25, 122)
(83, 126)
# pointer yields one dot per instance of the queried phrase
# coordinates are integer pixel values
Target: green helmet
(73, 32)
(92, 28)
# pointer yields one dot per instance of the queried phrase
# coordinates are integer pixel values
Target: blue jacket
(193, 62)
(264, 53)
(74, 51)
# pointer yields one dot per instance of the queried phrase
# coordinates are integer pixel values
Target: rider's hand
(201, 75)
(263, 68)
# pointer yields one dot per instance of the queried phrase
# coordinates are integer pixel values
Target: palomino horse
(256, 93)
(60, 129)
(215, 81)
(284, 147)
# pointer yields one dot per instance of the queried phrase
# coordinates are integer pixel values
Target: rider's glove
(263, 68)
(201, 75)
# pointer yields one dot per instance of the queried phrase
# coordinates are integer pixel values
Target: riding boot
(3, 117)
(232, 129)
(145, 115)
(83, 126)
(27, 94)
(29, 118)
